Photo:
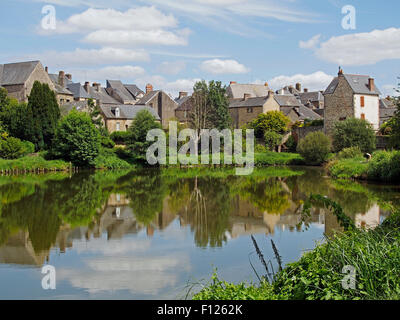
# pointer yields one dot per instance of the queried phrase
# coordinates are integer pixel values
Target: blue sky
(173, 43)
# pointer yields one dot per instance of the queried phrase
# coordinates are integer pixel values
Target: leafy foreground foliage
(318, 274)
(34, 163)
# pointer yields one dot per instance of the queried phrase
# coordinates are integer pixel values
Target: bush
(12, 148)
(354, 132)
(120, 137)
(77, 139)
(384, 166)
(315, 148)
(348, 153)
(291, 144)
(259, 148)
(108, 159)
(272, 140)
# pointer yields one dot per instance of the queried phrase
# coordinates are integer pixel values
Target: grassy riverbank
(384, 167)
(318, 274)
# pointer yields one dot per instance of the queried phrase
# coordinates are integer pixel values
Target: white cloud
(314, 82)
(361, 48)
(173, 67)
(310, 44)
(127, 73)
(218, 66)
(170, 87)
(136, 38)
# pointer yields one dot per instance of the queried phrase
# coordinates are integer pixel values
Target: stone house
(387, 110)
(18, 78)
(350, 96)
(246, 109)
(61, 82)
(100, 94)
(120, 117)
(161, 102)
(292, 107)
(182, 113)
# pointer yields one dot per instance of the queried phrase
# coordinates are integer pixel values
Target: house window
(363, 116)
(117, 112)
(118, 126)
(362, 101)
(185, 114)
(249, 110)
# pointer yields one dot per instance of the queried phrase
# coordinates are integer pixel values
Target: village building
(161, 102)
(100, 95)
(120, 117)
(61, 82)
(18, 78)
(350, 96)
(245, 110)
(292, 107)
(184, 102)
(387, 110)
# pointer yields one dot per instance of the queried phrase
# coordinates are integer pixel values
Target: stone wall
(339, 105)
(301, 133)
(241, 117)
(164, 106)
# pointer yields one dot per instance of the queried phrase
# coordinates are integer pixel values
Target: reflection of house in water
(19, 250)
(370, 219)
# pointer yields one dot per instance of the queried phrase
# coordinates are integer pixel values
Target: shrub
(291, 144)
(107, 142)
(315, 148)
(348, 153)
(354, 132)
(120, 137)
(12, 148)
(385, 166)
(272, 139)
(77, 139)
(108, 159)
(259, 148)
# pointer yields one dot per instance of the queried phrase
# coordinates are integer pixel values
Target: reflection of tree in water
(268, 195)
(146, 191)
(208, 210)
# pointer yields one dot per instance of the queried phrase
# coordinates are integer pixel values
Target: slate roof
(287, 100)
(182, 105)
(133, 89)
(310, 96)
(61, 90)
(126, 111)
(358, 83)
(307, 113)
(250, 102)
(78, 91)
(120, 90)
(16, 73)
(288, 90)
(386, 103)
(148, 97)
(54, 78)
(237, 91)
(102, 96)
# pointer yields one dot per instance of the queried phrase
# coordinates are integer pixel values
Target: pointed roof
(78, 91)
(237, 91)
(126, 112)
(16, 73)
(359, 84)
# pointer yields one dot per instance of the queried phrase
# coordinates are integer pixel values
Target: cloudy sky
(173, 43)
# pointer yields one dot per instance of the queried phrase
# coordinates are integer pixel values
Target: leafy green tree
(12, 148)
(272, 140)
(274, 121)
(315, 148)
(354, 132)
(45, 113)
(220, 117)
(4, 99)
(141, 125)
(77, 139)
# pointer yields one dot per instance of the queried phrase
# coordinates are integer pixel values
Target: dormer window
(117, 113)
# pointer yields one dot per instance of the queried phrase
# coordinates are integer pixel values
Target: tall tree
(201, 111)
(220, 117)
(43, 106)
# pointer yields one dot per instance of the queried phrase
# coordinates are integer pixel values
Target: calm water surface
(152, 234)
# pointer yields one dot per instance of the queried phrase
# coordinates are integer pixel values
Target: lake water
(154, 234)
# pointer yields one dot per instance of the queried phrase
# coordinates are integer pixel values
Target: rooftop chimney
(298, 87)
(340, 73)
(305, 90)
(87, 86)
(233, 82)
(246, 96)
(149, 88)
(371, 84)
(96, 86)
(182, 94)
(61, 78)
(266, 84)
(270, 93)
(69, 76)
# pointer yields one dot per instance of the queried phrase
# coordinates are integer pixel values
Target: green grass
(108, 159)
(318, 274)
(34, 163)
(354, 168)
(278, 159)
